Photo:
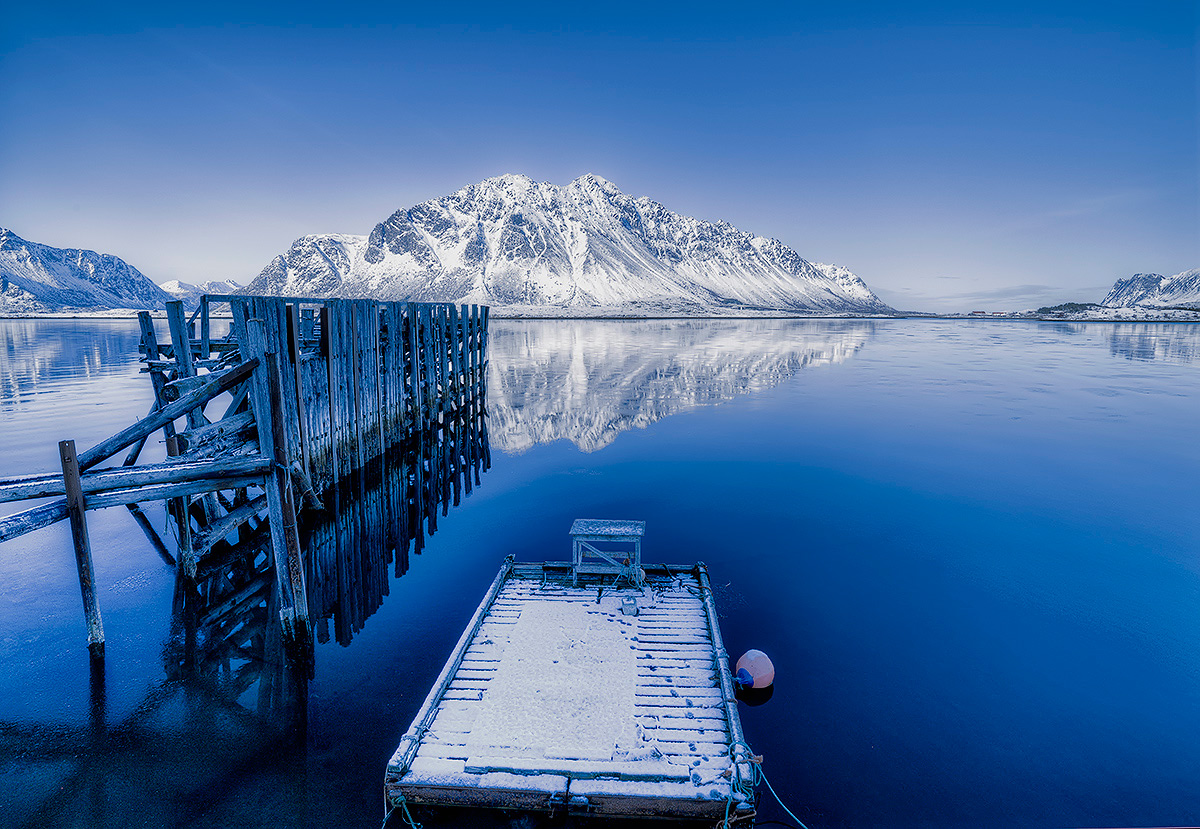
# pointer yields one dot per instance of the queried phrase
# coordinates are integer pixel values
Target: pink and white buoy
(754, 670)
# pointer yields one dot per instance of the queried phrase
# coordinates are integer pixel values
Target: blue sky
(955, 155)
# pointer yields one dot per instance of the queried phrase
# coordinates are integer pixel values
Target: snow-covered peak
(586, 247)
(314, 265)
(189, 293)
(591, 181)
(36, 277)
(1155, 289)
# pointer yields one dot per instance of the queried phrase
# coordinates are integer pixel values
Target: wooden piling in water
(76, 512)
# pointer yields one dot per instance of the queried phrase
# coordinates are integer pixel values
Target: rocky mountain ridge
(1154, 289)
(585, 248)
(36, 278)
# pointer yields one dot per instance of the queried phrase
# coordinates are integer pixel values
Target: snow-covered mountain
(1155, 289)
(313, 266)
(36, 277)
(190, 293)
(587, 381)
(586, 248)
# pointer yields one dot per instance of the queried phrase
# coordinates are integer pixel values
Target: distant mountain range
(1155, 290)
(190, 293)
(583, 249)
(38, 278)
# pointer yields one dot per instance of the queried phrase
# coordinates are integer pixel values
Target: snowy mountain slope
(190, 293)
(512, 242)
(1155, 289)
(36, 277)
(589, 380)
(312, 266)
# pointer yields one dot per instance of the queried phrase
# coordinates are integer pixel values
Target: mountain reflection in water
(1172, 342)
(589, 380)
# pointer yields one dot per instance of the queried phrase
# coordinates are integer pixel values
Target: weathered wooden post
(205, 336)
(181, 508)
(83, 550)
(289, 531)
(294, 340)
(268, 416)
(182, 345)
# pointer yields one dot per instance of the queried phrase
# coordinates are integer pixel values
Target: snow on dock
(556, 699)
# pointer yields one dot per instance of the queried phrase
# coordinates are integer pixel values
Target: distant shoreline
(131, 314)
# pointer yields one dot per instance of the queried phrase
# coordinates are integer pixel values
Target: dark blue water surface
(970, 547)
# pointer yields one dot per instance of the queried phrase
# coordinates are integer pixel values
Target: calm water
(970, 548)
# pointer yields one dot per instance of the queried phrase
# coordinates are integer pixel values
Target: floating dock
(558, 698)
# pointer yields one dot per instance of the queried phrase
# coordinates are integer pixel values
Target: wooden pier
(380, 405)
(558, 698)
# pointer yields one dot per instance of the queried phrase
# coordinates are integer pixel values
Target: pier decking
(556, 699)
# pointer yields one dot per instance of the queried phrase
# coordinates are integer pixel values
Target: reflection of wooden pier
(582, 693)
(379, 405)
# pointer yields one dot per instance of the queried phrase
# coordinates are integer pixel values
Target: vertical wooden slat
(256, 345)
(205, 329)
(288, 529)
(179, 338)
(302, 409)
(456, 402)
(483, 430)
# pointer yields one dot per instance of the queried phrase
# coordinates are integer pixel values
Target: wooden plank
(83, 550)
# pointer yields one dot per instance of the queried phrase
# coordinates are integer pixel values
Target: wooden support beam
(131, 477)
(83, 550)
(236, 425)
(34, 518)
(181, 386)
(226, 524)
(256, 344)
(43, 515)
(214, 385)
(282, 474)
(162, 492)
